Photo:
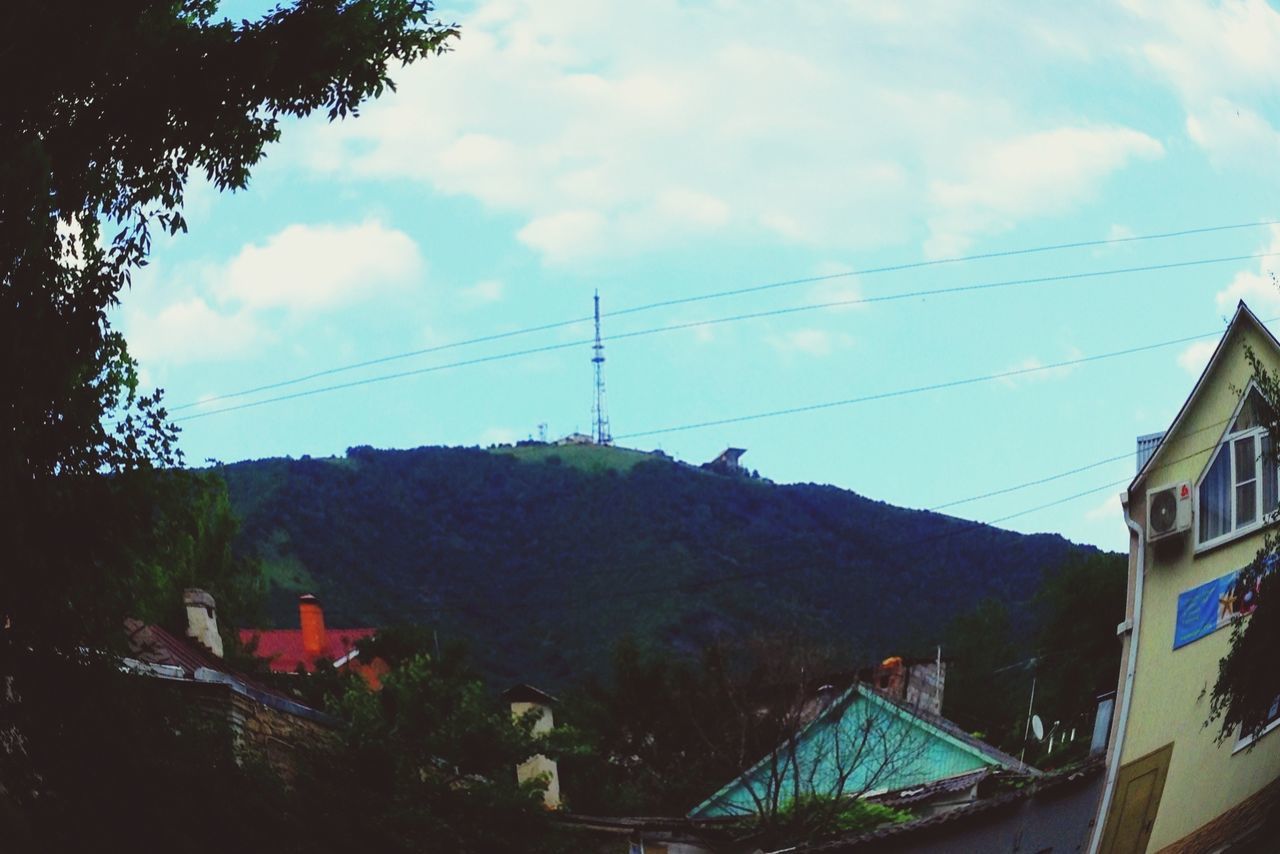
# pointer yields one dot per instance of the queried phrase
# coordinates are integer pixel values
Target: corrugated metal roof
(1147, 446)
(1080, 774)
(158, 647)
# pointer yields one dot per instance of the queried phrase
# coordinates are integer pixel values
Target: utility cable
(735, 292)
(904, 392)
(674, 327)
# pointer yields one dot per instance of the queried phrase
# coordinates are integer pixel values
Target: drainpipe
(1126, 693)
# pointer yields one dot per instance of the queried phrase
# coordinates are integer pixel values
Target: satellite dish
(1037, 727)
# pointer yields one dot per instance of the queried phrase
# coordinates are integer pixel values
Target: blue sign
(1205, 609)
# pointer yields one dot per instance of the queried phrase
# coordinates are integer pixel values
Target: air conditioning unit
(1168, 510)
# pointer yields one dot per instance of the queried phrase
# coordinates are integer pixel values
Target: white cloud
(841, 287)
(809, 342)
(1034, 370)
(306, 267)
(1257, 287)
(214, 312)
(498, 436)
(1034, 174)
(484, 292)
(1196, 356)
(191, 331)
(563, 236)
(1109, 510)
(623, 128)
(1220, 59)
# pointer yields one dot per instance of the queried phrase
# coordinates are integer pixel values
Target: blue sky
(667, 149)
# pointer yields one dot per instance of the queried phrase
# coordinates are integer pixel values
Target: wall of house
(538, 765)
(1170, 701)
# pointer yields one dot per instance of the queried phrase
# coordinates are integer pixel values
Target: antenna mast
(599, 421)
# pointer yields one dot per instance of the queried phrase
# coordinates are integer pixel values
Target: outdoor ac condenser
(1168, 510)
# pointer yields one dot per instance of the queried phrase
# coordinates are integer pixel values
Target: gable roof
(1243, 316)
(160, 653)
(937, 728)
(284, 651)
(524, 693)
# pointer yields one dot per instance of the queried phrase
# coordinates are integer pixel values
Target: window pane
(1246, 460)
(1246, 481)
(1270, 490)
(1246, 503)
(1215, 498)
(1249, 414)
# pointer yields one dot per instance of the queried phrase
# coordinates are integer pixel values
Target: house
(292, 650)
(261, 719)
(524, 699)
(1196, 515)
(862, 742)
(728, 462)
(1049, 813)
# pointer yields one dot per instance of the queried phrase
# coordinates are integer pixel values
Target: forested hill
(541, 557)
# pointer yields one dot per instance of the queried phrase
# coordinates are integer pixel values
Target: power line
(546, 327)
(378, 361)
(1058, 476)
(674, 327)
(904, 392)
(915, 265)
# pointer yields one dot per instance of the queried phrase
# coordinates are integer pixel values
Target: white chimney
(524, 698)
(202, 620)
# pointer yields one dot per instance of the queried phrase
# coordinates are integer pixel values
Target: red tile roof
(283, 647)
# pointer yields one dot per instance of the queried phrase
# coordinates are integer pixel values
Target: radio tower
(599, 421)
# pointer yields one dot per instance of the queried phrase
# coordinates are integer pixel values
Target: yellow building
(1196, 513)
(523, 700)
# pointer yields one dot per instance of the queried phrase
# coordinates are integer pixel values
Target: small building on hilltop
(729, 462)
(1198, 512)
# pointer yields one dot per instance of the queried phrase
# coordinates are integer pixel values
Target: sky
(663, 150)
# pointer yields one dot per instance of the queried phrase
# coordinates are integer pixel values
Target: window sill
(1227, 539)
(1242, 743)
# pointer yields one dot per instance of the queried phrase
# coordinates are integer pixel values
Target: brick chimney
(891, 677)
(202, 620)
(311, 616)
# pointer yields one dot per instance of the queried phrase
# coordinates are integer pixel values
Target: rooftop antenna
(599, 421)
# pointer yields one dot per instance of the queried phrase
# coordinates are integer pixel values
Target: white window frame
(1242, 742)
(1227, 441)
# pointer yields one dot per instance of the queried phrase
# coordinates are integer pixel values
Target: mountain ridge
(541, 557)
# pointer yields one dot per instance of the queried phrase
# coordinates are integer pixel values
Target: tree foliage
(119, 103)
(536, 564)
(1247, 689)
(114, 107)
(664, 734)
(1072, 658)
(435, 756)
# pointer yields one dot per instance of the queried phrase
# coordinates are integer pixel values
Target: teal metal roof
(862, 743)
